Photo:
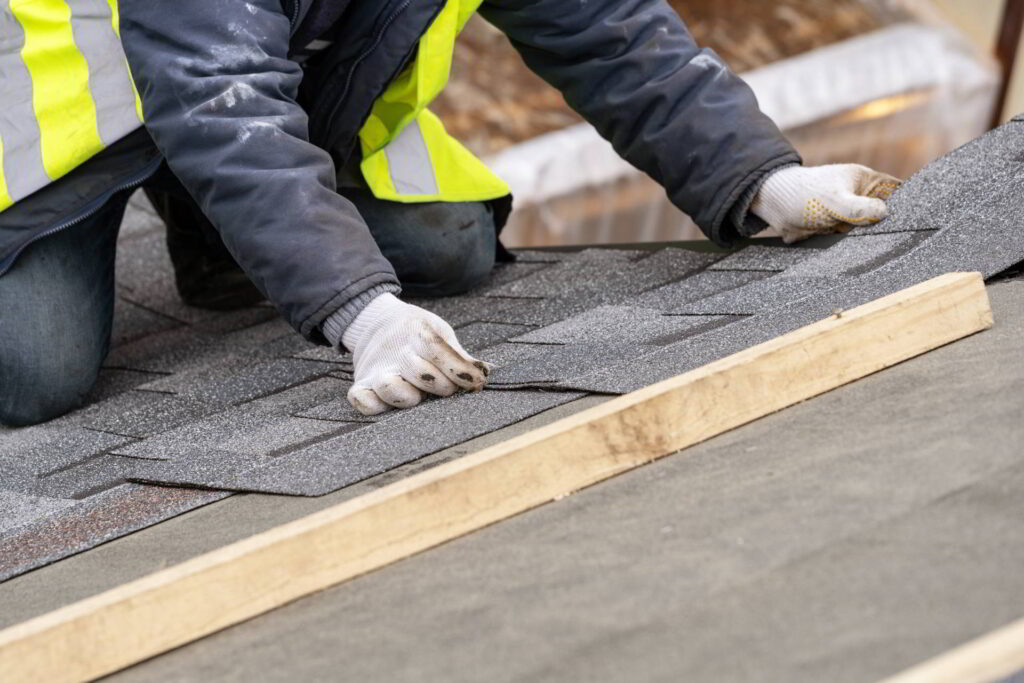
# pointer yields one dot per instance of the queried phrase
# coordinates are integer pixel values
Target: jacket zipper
(89, 211)
(294, 17)
(336, 102)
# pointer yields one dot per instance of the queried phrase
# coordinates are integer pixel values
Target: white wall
(979, 19)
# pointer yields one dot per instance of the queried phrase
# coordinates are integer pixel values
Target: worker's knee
(437, 249)
(38, 384)
(452, 263)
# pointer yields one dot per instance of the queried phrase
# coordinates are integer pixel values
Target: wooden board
(172, 607)
(990, 658)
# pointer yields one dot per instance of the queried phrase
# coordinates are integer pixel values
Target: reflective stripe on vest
(65, 90)
(407, 154)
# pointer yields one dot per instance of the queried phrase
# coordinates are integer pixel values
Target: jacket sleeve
(673, 110)
(219, 98)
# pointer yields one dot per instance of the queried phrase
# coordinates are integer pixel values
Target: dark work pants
(57, 301)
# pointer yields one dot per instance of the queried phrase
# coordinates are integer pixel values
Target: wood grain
(992, 657)
(211, 592)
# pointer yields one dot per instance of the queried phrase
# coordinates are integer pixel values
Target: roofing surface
(218, 402)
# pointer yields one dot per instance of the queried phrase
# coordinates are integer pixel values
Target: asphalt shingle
(94, 520)
(774, 259)
(47, 447)
(17, 509)
(698, 286)
(238, 379)
(477, 336)
(857, 255)
(355, 455)
(239, 401)
(761, 295)
(626, 324)
(254, 429)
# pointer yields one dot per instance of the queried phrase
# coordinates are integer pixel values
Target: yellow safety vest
(68, 55)
(65, 90)
(407, 154)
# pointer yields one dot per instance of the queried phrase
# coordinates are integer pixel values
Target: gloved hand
(400, 352)
(800, 202)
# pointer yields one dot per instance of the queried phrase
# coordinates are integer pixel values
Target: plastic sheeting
(894, 99)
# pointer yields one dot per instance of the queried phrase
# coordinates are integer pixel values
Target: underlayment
(238, 401)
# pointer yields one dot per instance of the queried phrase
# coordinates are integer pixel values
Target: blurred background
(892, 84)
(981, 22)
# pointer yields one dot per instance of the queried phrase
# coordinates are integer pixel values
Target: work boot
(205, 273)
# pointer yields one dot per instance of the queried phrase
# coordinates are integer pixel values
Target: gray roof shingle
(238, 401)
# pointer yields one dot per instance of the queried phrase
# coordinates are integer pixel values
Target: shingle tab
(133, 322)
(51, 446)
(606, 275)
(857, 255)
(18, 509)
(698, 286)
(336, 410)
(961, 181)
(762, 295)
(477, 336)
(625, 324)
(257, 428)
(238, 379)
(772, 259)
(331, 464)
(84, 479)
(554, 363)
(505, 273)
(116, 381)
(146, 278)
(137, 413)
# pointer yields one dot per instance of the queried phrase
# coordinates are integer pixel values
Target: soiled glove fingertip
(366, 402)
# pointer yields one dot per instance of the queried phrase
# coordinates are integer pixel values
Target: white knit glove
(801, 202)
(400, 352)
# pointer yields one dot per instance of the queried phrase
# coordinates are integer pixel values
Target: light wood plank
(172, 607)
(989, 658)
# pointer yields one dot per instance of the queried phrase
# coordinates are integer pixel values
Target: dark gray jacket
(245, 130)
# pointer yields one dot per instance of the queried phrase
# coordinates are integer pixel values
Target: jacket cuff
(334, 325)
(746, 223)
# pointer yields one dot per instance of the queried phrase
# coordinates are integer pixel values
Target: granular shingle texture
(624, 324)
(93, 520)
(756, 258)
(857, 255)
(221, 402)
(699, 286)
(762, 295)
(238, 379)
(360, 450)
(478, 336)
(18, 509)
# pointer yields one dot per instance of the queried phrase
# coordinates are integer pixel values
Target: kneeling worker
(292, 137)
